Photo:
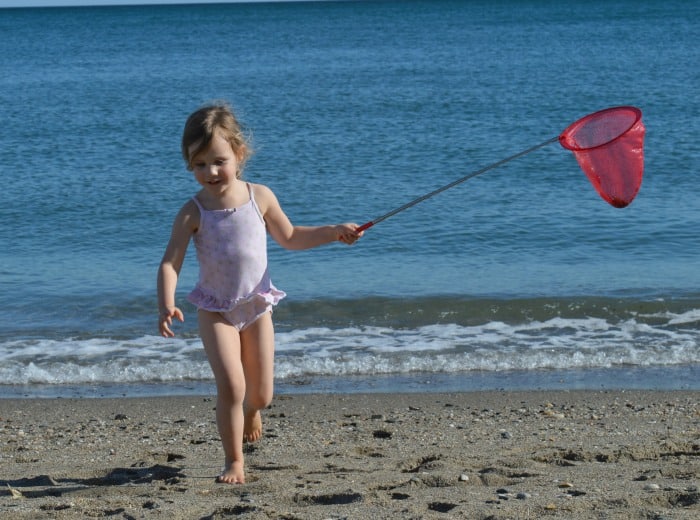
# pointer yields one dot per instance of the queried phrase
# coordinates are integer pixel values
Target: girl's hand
(347, 233)
(165, 321)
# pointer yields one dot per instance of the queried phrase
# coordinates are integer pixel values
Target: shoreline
(649, 378)
(481, 454)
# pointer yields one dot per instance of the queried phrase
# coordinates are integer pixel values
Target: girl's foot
(233, 474)
(252, 426)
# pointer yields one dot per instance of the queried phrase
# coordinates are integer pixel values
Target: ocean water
(519, 278)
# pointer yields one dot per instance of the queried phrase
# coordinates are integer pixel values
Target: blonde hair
(202, 125)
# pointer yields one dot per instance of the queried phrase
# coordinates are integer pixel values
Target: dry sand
(477, 455)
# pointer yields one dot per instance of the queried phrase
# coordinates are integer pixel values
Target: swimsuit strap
(255, 204)
(201, 209)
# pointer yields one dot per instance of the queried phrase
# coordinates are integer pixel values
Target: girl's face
(216, 167)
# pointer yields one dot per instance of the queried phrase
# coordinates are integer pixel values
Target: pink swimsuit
(232, 253)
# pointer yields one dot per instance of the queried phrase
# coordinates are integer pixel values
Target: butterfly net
(609, 147)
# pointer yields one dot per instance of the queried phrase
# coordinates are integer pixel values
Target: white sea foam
(495, 346)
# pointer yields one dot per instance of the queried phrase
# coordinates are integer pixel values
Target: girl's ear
(241, 153)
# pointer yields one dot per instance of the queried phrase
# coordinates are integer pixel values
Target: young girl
(228, 220)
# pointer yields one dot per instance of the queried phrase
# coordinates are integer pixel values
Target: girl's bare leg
(222, 345)
(257, 356)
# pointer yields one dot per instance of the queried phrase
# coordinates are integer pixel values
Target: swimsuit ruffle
(208, 302)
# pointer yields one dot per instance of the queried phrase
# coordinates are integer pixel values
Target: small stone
(564, 485)
(652, 487)
(505, 435)
(523, 496)
(464, 477)
(553, 414)
(550, 507)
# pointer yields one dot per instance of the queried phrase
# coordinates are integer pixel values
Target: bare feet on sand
(233, 474)
(252, 426)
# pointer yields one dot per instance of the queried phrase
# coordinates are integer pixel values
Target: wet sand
(475, 455)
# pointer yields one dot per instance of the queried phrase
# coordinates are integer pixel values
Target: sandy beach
(478, 455)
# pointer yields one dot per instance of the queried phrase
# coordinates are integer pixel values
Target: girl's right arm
(186, 223)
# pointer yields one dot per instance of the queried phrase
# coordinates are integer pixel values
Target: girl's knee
(259, 401)
(231, 392)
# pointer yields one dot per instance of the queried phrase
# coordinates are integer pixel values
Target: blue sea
(520, 278)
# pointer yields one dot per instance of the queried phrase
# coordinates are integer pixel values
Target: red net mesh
(609, 147)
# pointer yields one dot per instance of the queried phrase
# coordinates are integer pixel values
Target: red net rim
(569, 143)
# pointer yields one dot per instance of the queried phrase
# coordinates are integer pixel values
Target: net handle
(393, 212)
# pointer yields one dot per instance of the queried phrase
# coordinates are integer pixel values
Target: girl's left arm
(290, 236)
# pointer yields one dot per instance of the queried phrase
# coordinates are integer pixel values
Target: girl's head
(208, 121)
